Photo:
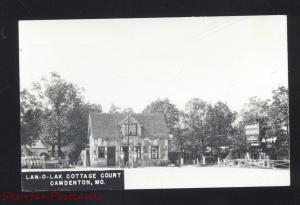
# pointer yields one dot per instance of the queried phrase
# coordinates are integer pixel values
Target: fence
(39, 162)
(32, 161)
(263, 163)
(279, 163)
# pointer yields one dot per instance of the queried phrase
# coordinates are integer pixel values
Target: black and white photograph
(159, 103)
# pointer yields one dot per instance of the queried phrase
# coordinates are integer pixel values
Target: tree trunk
(288, 140)
(53, 150)
(59, 142)
(211, 150)
(202, 144)
(181, 150)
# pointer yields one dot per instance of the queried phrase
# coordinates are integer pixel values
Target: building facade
(36, 149)
(127, 140)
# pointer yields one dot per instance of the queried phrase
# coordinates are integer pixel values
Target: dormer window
(129, 126)
(130, 129)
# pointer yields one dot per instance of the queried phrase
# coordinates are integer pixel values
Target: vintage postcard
(154, 103)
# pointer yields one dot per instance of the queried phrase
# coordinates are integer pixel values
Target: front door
(111, 156)
(126, 154)
(88, 162)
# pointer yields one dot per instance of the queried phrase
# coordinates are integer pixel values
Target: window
(131, 127)
(154, 152)
(101, 152)
(137, 151)
(95, 152)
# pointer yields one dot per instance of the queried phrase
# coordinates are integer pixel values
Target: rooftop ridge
(104, 124)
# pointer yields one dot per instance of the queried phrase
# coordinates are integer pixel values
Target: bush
(164, 163)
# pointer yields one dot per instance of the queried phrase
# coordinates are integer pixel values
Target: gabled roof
(104, 125)
(38, 145)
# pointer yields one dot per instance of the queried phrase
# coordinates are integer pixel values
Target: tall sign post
(130, 159)
(128, 162)
(252, 137)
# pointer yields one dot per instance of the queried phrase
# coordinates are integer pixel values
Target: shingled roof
(107, 125)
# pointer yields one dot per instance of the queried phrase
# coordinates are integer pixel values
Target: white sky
(132, 62)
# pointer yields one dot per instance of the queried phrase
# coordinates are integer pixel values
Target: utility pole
(128, 134)
(288, 140)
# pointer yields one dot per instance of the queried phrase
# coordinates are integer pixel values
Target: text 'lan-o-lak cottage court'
(132, 140)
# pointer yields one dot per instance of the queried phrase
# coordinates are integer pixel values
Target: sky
(132, 62)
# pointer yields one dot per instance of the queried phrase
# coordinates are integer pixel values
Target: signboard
(269, 140)
(252, 129)
(252, 138)
(72, 180)
(254, 144)
(252, 134)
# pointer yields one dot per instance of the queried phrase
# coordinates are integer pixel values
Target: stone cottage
(127, 140)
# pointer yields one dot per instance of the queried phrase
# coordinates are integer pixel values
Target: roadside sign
(252, 134)
(254, 144)
(252, 138)
(252, 129)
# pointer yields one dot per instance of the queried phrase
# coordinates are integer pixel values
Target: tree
(30, 117)
(257, 110)
(167, 109)
(171, 116)
(279, 121)
(56, 113)
(114, 109)
(238, 140)
(78, 126)
(128, 110)
(58, 97)
(178, 135)
(93, 108)
(272, 116)
(194, 119)
(219, 123)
